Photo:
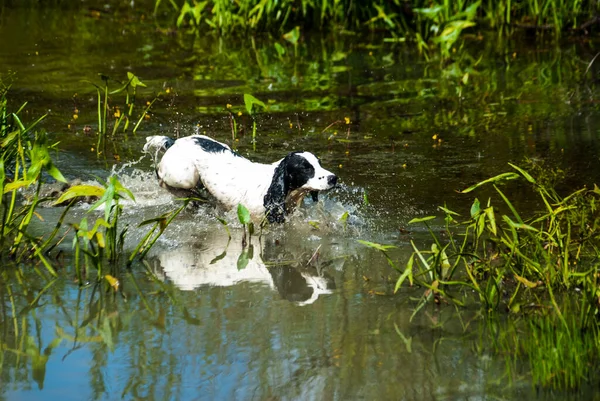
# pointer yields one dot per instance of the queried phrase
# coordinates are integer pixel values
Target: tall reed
(505, 257)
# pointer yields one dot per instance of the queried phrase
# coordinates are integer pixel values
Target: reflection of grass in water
(561, 357)
(556, 356)
(507, 261)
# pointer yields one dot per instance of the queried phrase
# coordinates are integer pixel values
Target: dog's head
(298, 174)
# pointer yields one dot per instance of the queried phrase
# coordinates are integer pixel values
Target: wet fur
(199, 162)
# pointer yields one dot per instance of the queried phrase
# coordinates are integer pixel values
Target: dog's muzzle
(332, 180)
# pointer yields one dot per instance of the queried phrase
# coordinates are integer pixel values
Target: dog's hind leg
(198, 192)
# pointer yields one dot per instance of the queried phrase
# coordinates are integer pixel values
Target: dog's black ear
(314, 195)
(274, 200)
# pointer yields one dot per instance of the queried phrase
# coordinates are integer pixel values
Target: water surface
(307, 312)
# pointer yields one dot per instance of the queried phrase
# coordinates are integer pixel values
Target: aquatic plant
(431, 24)
(124, 116)
(506, 258)
(246, 222)
(234, 125)
(159, 225)
(543, 266)
(103, 238)
(24, 157)
(250, 102)
(102, 242)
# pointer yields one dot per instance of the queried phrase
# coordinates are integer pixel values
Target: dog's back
(199, 161)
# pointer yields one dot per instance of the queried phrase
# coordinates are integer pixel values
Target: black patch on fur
(211, 146)
(293, 172)
(167, 143)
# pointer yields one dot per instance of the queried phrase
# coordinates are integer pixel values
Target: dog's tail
(155, 144)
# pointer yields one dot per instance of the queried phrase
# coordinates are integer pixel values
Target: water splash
(118, 170)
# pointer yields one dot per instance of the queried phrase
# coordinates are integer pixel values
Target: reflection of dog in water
(219, 262)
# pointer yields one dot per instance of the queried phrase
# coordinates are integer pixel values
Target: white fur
(319, 181)
(230, 178)
(215, 264)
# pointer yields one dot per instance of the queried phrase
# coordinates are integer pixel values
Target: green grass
(24, 156)
(539, 265)
(509, 260)
(556, 358)
(123, 115)
(98, 239)
(434, 24)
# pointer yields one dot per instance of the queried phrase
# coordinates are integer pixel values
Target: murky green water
(312, 315)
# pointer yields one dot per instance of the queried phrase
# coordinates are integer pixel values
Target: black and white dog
(273, 190)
